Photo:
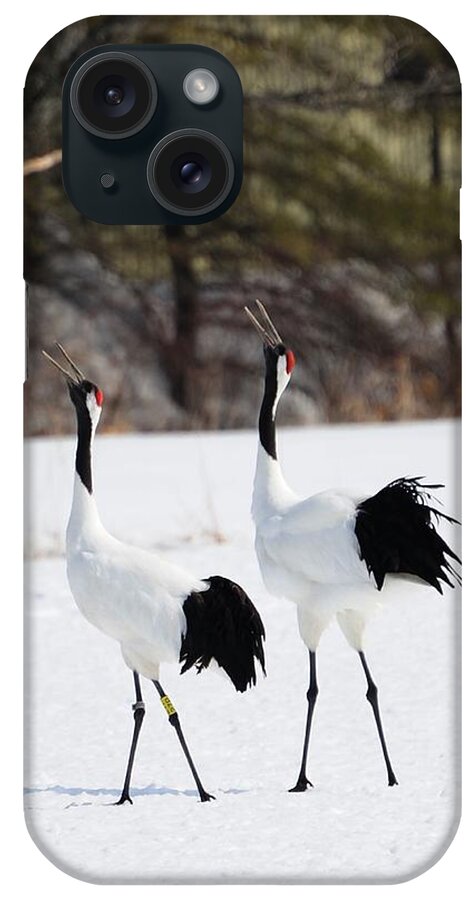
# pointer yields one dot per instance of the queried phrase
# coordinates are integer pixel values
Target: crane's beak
(265, 328)
(77, 377)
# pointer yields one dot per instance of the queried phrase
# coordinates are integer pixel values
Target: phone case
(340, 549)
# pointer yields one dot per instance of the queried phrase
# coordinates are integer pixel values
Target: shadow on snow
(150, 790)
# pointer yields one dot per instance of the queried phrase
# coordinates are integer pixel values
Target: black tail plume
(223, 624)
(396, 534)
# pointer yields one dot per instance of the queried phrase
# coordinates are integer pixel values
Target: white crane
(157, 611)
(331, 553)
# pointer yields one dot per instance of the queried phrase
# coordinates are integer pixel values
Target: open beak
(77, 377)
(263, 324)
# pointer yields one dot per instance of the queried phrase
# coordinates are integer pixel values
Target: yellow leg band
(168, 705)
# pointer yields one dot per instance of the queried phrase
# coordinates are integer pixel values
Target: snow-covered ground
(189, 496)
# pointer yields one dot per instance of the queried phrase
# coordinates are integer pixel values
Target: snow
(189, 496)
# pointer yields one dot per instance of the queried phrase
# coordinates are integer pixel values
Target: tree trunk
(183, 357)
(435, 148)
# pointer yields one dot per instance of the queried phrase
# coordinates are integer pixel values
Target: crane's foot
(123, 799)
(302, 784)
(205, 796)
(392, 779)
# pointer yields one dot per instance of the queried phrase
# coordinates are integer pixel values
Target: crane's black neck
(83, 446)
(267, 425)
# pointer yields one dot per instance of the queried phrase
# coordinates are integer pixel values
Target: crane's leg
(175, 722)
(303, 783)
(372, 697)
(139, 713)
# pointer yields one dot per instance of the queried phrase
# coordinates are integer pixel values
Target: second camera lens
(190, 171)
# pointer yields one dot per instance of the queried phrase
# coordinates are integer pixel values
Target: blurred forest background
(346, 227)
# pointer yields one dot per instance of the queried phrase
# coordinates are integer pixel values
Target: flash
(201, 86)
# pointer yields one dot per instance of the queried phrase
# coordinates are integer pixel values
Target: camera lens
(113, 95)
(190, 172)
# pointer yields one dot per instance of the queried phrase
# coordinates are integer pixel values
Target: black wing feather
(223, 624)
(396, 534)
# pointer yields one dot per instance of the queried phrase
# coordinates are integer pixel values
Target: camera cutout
(165, 124)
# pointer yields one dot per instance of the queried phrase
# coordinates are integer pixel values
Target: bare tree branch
(42, 163)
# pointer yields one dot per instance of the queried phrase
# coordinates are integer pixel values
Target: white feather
(308, 552)
(128, 593)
